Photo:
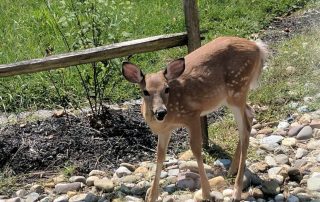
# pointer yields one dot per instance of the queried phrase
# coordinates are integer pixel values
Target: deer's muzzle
(160, 113)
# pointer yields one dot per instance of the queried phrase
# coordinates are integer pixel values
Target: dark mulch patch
(58, 142)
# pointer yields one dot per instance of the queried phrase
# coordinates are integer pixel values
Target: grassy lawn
(60, 25)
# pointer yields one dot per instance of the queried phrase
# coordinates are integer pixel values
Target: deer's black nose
(160, 114)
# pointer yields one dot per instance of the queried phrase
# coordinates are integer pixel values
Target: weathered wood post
(194, 42)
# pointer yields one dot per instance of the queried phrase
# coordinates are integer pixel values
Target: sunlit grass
(28, 34)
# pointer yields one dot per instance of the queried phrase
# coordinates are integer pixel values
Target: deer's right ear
(132, 73)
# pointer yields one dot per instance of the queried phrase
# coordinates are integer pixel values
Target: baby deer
(218, 73)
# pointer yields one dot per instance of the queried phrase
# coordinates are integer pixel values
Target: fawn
(219, 73)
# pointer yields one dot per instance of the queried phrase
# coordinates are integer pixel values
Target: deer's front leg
(196, 147)
(153, 192)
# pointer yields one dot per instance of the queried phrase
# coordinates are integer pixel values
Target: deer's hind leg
(236, 157)
(243, 116)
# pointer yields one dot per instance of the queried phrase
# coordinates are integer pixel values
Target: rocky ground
(290, 172)
(119, 167)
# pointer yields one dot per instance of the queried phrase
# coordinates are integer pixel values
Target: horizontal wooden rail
(95, 54)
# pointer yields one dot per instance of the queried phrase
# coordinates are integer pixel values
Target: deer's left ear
(174, 69)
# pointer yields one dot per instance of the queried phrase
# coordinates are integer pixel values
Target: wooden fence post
(194, 42)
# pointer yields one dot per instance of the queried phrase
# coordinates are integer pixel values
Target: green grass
(28, 28)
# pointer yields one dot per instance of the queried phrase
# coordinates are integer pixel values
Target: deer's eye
(145, 93)
(167, 90)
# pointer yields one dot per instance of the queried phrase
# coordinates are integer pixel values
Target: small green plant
(69, 170)
(88, 24)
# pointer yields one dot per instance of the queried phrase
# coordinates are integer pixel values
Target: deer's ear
(132, 73)
(174, 69)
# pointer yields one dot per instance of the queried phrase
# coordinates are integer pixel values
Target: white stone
(227, 192)
(301, 153)
(313, 182)
(290, 141)
(283, 125)
(122, 171)
(270, 161)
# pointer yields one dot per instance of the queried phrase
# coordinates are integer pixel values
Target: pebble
(173, 172)
(227, 192)
(97, 173)
(258, 166)
(283, 125)
(184, 182)
(299, 163)
(63, 188)
(217, 182)
(305, 133)
(62, 198)
(129, 166)
(140, 188)
(37, 188)
(170, 188)
(301, 153)
(313, 182)
(316, 133)
(77, 179)
(16, 199)
(218, 196)
(257, 193)
(104, 184)
(292, 198)
(170, 162)
(32, 197)
(271, 187)
(318, 158)
(250, 178)
(282, 159)
(163, 174)
(293, 131)
(315, 124)
(269, 147)
(21, 193)
(89, 197)
(122, 171)
(290, 141)
(186, 156)
(253, 132)
(90, 180)
(223, 163)
(270, 161)
(294, 174)
(193, 166)
(279, 198)
(272, 139)
(313, 144)
(141, 170)
(305, 119)
(133, 199)
(274, 171)
(265, 131)
(47, 199)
